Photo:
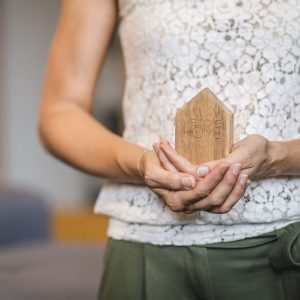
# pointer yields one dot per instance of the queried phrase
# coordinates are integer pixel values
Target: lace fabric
(247, 52)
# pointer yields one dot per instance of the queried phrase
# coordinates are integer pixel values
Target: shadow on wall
(27, 30)
(33, 265)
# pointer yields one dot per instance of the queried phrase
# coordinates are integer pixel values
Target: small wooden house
(204, 128)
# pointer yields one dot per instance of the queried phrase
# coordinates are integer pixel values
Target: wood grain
(204, 128)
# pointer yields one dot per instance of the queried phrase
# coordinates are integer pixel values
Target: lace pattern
(247, 52)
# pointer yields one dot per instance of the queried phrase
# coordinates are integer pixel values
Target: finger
(198, 196)
(221, 191)
(224, 188)
(170, 199)
(212, 164)
(173, 200)
(208, 184)
(163, 194)
(163, 159)
(184, 165)
(235, 195)
(160, 178)
(181, 163)
(240, 153)
(178, 161)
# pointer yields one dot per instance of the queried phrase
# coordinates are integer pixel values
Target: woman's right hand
(156, 177)
(216, 192)
(177, 189)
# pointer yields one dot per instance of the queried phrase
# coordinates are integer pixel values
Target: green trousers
(266, 267)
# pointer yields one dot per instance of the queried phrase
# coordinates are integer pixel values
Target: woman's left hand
(252, 153)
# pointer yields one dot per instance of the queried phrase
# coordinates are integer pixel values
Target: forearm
(285, 158)
(75, 137)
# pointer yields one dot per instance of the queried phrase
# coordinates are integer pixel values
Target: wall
(1, 99)
(28, 27)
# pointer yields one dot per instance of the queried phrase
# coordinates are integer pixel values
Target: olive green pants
(266, 267)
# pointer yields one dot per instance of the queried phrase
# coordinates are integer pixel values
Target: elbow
(44, 131)
(42, 135)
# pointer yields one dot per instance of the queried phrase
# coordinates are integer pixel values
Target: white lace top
(247, 52)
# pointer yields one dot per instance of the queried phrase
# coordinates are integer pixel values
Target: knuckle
(229, 180)
(160, 193)
(172, 183)
(201, 192)
(162, 197)
(148, 176)
(174, 204)
(215, 201)
(189, 209)
(176, 207)
(225, 209)
(247, 155)
(238, 193)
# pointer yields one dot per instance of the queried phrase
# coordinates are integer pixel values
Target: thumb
(237, 155)
(234, 157)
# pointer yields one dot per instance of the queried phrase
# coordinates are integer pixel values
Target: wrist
(135, 168)
(277, 158)
(127, 158)
(139, 164)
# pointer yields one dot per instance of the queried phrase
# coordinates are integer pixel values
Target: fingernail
(155, 147)
(223, 169)
(243, 179)
(202, 171)
(188, 182)
(236, 169)
(164, 141)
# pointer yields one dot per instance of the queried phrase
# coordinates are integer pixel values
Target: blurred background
(45, 206)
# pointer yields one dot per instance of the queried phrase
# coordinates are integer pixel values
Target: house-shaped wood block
(204, 129)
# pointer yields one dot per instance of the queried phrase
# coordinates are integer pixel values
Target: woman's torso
(247, 53)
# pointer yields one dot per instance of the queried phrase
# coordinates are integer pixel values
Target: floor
(45, 271)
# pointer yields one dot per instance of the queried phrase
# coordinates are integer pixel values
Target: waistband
(292, 230)
(286, 251)
(196, 234)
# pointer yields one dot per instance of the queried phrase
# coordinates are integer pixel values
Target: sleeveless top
(247, 52)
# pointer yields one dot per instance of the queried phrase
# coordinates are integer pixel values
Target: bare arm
(66, 126)
(285, 157)
(67, 129)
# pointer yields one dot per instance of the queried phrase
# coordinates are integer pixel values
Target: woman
(177, 230)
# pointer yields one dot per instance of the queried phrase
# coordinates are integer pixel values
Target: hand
(217, 198)
(179, 190)
(160, 180)
(253, 154)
